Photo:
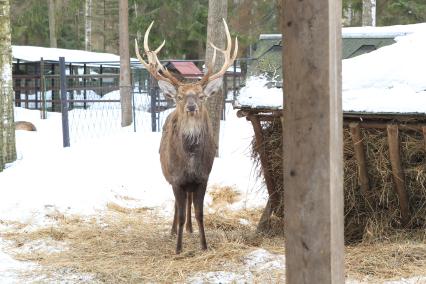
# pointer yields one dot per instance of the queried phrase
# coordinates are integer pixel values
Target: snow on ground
(390, 79)
(259, 266)
(95, 171)
(82, 179)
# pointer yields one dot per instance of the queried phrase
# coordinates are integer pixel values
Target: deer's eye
(179, 97)
(202, 96)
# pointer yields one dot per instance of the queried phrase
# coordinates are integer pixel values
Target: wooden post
(360, 157)
(424, 134)
(397, 173)
(313, 142)
(273, 201)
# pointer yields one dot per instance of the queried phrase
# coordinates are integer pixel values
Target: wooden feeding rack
(390, 123)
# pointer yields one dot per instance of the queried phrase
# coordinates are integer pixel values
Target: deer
(187, 147)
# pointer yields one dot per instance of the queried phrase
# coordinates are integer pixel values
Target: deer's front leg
(198, 196)
(188, 224)
(180, 196)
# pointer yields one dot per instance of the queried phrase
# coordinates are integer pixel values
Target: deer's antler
(154, 65)
(228, 59)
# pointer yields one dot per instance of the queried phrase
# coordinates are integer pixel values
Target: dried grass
(223, 195)
(136, 247)
(133, 246)
(402, 257)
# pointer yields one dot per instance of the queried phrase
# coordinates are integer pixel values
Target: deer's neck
(192, 130)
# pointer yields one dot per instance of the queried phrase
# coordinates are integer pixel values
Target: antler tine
(206, 76)
(138, 55)
(145, 37)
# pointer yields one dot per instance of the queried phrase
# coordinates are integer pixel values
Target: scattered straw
(133, 246)
(136, 247)
(224, 195)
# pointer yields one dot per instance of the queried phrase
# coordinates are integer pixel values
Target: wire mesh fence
(91, 97)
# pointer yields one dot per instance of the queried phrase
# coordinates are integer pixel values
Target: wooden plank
(360, 157)
(313, 143)
(397, 172)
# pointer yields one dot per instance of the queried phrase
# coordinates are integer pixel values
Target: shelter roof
(35, 53)
(185, 68)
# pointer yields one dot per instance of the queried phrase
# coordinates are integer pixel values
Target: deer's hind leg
(175, 220)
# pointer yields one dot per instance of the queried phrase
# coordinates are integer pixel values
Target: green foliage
(402, 12)
(390, 12)
(182, 23)
(30, 22)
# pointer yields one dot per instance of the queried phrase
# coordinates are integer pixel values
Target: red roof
(187, 69)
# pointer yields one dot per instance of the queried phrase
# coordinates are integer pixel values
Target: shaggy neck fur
(192, 129)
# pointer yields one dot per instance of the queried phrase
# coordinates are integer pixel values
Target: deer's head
(189, 97)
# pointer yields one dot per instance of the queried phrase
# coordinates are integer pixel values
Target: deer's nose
(191, 107)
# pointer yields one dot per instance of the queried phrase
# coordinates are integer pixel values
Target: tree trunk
(369, 13)
(7, 127)
(125, 86)
(216, 34)
(88, 25)
(52, 24)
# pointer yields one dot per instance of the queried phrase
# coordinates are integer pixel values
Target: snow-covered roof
(34, 53)
(366, 32)
(388, 80)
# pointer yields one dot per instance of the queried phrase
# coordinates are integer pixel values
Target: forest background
(93, 24)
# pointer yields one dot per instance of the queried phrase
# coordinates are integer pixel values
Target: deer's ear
(213, 86)
(167, 88)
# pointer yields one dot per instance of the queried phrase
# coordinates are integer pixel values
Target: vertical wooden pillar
(360, 157)
(398, 173)
(313, 142)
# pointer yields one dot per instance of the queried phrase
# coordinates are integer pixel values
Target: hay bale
(377, 215)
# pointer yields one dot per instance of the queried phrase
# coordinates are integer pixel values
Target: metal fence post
(43, 90)
(64, 104)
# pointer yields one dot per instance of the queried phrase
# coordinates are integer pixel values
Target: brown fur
(187, 152)
(25, 125)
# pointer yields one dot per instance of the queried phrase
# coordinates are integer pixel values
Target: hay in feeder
(377, 215)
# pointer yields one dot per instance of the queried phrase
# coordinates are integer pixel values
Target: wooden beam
(360, 157)
(313, 142)
(384, 124)
(397, 172)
